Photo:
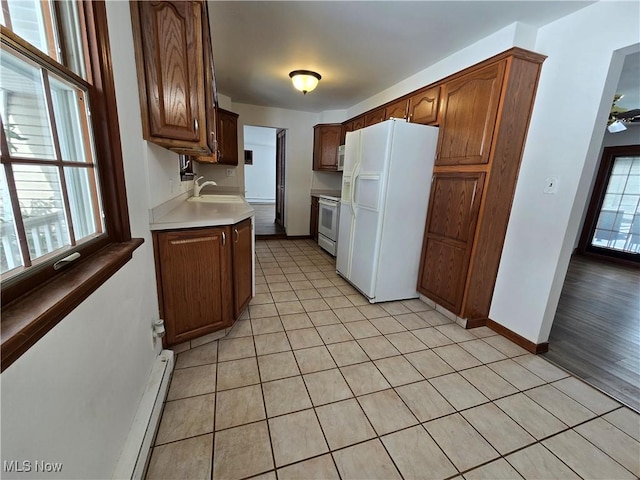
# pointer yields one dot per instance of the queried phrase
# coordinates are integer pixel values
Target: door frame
(281, 145)
(609, 155)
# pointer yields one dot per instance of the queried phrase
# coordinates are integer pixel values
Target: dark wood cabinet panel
(451, 221)
(170, 50)
(242, 266)
(455, 198)
(374, 117)
(313, 222)
(510, 134)
(444, 273)
(358, 123)
(468, 118)
(326, 140)
(227, 137)
(194, 271)
(423, 106)
(396, 110)
(346, 128)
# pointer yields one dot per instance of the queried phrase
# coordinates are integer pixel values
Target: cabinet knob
(237, 234)
(224, 239)
(195, 124)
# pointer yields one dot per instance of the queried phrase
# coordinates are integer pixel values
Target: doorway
(264, 161)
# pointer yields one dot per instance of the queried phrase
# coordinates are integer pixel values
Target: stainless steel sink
(217, 199)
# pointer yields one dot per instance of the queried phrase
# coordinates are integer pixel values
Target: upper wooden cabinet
(175, 74)
(396, 110)
(227, 137)
(226, 148)
(423, 106)
(326, 140)
(346, 128)
(468, 116)
(374, 117)
(358, 123)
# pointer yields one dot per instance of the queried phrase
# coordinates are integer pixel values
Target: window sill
(29, 318)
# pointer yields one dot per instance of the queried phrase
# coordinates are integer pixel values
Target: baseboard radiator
(135, 455)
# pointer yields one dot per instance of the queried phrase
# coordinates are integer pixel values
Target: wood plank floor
(265, 220)
(596, 330)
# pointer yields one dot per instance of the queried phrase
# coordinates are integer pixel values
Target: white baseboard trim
(260, 200)
(135, 454)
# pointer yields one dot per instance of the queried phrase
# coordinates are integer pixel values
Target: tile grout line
(321, 268)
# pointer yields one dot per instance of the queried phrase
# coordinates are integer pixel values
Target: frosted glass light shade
(616, 127)
(304, 80)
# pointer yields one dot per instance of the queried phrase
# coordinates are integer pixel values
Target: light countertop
(186, 214)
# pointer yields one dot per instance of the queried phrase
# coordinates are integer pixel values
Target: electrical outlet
(551, 185)
(231, 172)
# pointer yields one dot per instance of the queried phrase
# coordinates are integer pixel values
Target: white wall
(260, 178)
(516, 34)
(574, 96)
(326, 181)
(71, 398)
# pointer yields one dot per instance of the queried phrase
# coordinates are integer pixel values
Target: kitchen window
(64, 218)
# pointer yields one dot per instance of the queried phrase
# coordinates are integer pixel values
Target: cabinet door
(423, 106)
(242, 263)
(170, 60)
(449, 232)
(358, 123)
(196, 288)
(227, 137)
(374, 117)
(346, 128)
(396, 110)
(313, 222)
(468, 117)
(326, 140)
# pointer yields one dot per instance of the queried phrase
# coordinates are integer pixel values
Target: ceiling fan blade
(628, 115)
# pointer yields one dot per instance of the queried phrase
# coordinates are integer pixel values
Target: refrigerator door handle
(354, 180)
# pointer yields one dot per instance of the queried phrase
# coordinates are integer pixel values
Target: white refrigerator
(386, 183)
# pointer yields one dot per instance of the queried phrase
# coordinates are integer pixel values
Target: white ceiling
(360, 48)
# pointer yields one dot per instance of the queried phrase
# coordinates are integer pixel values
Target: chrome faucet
(197, 187)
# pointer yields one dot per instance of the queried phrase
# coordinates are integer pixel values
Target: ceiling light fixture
(305, 80)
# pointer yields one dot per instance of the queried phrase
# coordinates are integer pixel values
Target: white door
(368, 186)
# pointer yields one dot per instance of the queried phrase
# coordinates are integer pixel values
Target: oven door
(328, 219)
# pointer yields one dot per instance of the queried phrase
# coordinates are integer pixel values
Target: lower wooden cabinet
(313, 222)
(204, 278)
(448, 238)
(242, 265)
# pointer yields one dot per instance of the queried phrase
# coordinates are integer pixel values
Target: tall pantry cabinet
(484, 116)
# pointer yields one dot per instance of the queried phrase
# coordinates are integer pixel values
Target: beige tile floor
(313, 382)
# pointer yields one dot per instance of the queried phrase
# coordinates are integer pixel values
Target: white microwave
(340, 158)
